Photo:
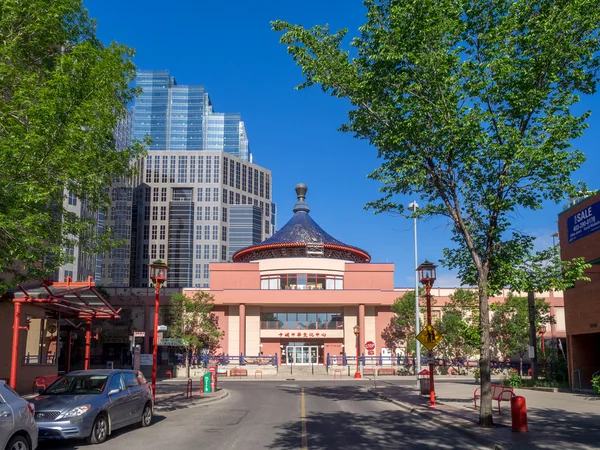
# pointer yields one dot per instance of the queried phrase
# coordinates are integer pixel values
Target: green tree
(469, 104)
(400, 332)
(460, 326)
(191, 319)
(62, 93)
(510, 325)
(542, 272)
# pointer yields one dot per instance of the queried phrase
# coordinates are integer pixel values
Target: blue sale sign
(584, 222)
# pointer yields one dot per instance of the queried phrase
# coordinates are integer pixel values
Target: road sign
(139, 334)
(429, 337)
(162, 328)
(430, 357)
(212, 369)
(371, 352)
(370, 345)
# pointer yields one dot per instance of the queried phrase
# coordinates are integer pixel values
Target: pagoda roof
(301, 237)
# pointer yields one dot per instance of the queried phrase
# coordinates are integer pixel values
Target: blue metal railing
(409, 361)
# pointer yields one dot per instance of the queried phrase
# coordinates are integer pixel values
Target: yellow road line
(303, 413)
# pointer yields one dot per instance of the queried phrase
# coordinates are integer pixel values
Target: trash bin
(424, 385)
(206, 383)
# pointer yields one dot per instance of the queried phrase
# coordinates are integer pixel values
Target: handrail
(573, 381)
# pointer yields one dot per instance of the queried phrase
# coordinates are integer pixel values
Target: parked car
(92, 404)
(18, 430)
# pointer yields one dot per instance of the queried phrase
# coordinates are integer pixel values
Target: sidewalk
(556, 420)
(170, 395)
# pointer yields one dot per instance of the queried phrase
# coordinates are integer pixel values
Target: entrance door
(303, 355)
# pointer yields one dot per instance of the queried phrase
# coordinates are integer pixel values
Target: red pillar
(88, 344)
(68, 355)
(14, 358)
(155, 340)
(431, 385)
(242, 328)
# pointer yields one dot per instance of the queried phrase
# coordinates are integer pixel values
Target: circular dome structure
(301, 237)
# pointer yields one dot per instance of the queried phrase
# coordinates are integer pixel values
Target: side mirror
(114, 391)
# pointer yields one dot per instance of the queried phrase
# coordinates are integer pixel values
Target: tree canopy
(62, 94)
(469, 104)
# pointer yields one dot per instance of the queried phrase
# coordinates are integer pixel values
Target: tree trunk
(485, 413)
(521, 366)
(532, 336)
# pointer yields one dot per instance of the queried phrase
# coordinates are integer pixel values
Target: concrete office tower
(112, 268)
(182, 211)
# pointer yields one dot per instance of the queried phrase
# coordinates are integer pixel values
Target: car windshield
(78, 385)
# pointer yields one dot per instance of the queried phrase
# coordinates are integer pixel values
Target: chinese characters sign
(302, 334)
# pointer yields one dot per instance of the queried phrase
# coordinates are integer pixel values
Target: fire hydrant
(518, 411)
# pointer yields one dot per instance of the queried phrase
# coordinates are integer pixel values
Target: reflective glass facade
(182, 118)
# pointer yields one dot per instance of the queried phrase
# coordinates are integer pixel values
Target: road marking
(303, 414)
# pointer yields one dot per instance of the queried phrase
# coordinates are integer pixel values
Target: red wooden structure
(74, 300)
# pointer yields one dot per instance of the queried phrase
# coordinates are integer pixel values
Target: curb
(489, 443)
(191, 403)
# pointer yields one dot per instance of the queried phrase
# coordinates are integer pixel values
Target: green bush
(513, 380)
(477, 375)
(596, 384)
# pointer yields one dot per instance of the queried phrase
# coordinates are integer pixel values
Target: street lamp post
(158, 275)
(356, 333)
(413, 206)
(426, 272)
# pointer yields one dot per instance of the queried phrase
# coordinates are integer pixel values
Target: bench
(386, 371)
(368, 371)
(43, 382)
(499, 393)
(238, 373)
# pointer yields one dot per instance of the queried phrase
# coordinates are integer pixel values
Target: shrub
(596, 384)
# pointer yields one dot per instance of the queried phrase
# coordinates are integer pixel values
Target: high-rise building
(198, 170)
(182, 207)
(182, 118)
(112, 268)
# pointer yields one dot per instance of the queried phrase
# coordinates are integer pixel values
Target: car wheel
(18, 443)
(146, 415)
(99, 431)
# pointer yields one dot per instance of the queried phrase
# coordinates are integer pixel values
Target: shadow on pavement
(73, 444)
(384, 430)
(334, 393)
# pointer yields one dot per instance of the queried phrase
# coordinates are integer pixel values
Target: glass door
(314, 355)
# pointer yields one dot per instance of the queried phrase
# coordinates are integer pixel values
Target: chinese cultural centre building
(299, 294)
(579, 232)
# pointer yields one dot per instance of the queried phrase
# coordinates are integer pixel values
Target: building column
(68, 352)
(88, 344)
(14, 357)
(242, 328)
(361, 324)
(552, 326)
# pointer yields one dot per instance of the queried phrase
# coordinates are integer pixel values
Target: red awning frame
(68, 299)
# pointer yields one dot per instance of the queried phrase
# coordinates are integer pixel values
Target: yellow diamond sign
(429, 337)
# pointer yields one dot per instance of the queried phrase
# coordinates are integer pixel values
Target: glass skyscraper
(194, 189)
(182, 118)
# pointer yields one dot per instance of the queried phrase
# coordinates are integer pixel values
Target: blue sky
(230, 49)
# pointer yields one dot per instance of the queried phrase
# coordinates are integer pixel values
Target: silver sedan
(92, 404)
(18, 430)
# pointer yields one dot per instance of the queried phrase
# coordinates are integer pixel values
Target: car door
(136, 396)
(6, 421)
(118, 403)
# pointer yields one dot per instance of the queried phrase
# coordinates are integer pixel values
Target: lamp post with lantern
(158, 275)
(356, 333)
(426, 272)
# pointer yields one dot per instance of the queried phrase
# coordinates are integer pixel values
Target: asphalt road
(286, 415)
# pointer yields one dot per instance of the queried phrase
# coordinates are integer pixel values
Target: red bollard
(518, 411)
